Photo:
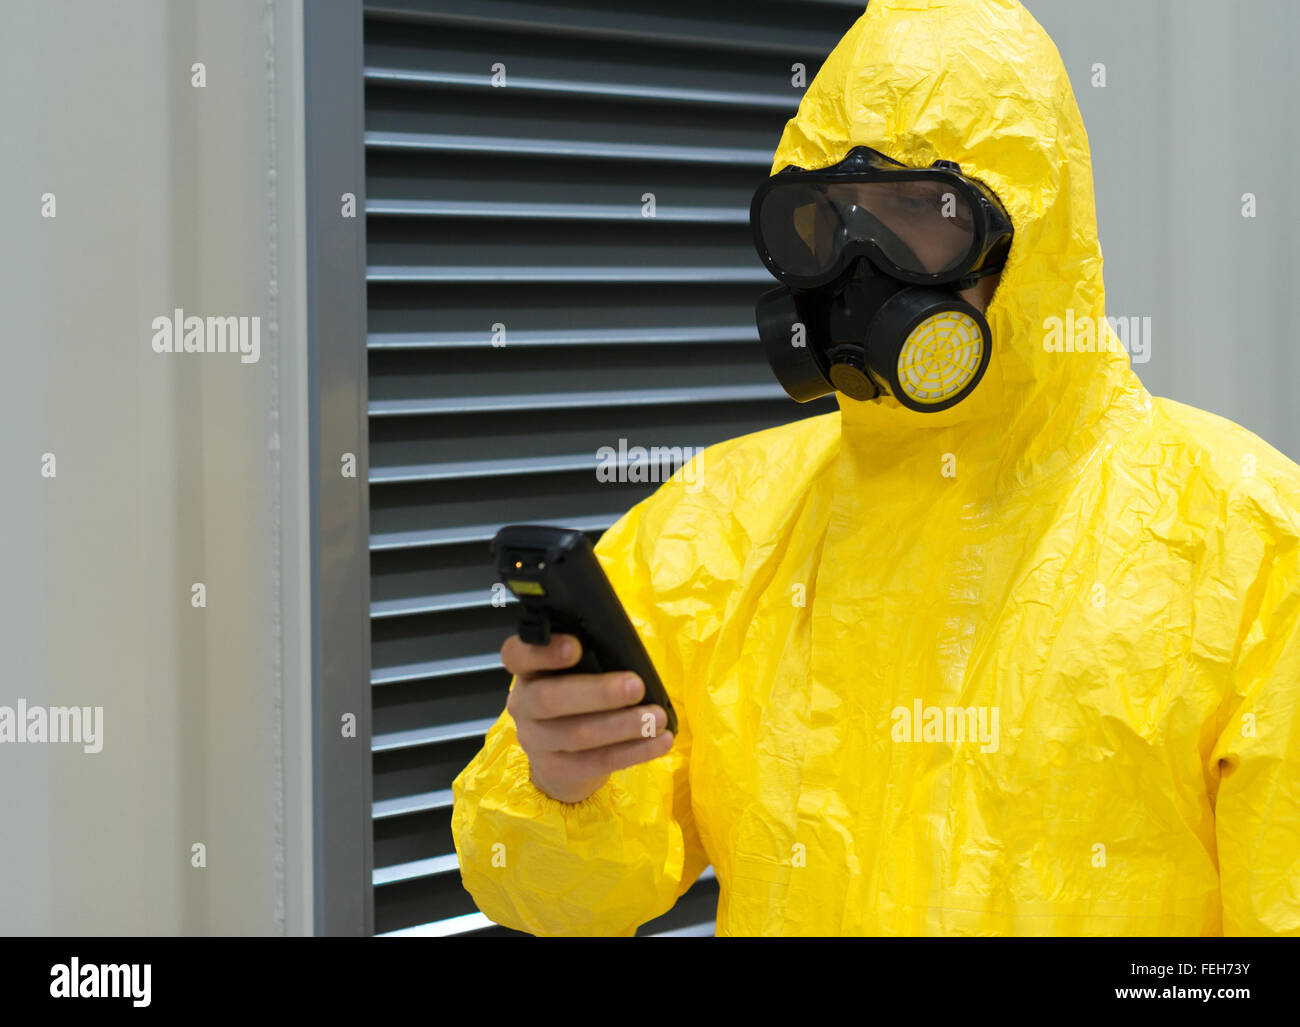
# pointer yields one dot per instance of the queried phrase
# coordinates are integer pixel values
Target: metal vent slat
(422, 802)
(675, 24)
(430, 735)
(419, 868)
(529, 312)
(432, 604)
(591, 275)
(578, 90)
(435, 669)
(572, 148)
(489, 468)
(472, 533)
(441, 928)
(572, 337)
(694, 931)
(552, 211)
(435, 866)
(502, 468)
(575, 400)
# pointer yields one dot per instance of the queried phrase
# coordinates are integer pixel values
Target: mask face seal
(872, 256)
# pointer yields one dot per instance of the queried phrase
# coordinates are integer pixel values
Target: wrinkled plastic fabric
(1116, 575)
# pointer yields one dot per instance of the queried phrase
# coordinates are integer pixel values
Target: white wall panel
(171, 469)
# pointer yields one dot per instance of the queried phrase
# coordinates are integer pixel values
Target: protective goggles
(927, 226)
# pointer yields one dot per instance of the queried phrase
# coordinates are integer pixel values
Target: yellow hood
(1027, 666)
(980, 83)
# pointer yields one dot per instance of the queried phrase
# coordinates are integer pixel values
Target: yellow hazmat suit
(1030, 665)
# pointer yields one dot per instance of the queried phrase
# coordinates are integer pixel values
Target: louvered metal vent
(516, 213)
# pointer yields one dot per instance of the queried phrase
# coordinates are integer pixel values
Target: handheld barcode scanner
(555, 575)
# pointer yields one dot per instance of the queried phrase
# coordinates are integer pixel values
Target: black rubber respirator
(871, 255)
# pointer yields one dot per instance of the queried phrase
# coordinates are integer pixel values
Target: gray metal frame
(340, 509)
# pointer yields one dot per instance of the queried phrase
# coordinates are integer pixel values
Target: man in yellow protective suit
(1025, 663)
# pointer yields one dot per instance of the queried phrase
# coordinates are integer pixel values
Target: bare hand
(577, 728)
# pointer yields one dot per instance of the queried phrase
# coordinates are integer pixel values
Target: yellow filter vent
(940, 357)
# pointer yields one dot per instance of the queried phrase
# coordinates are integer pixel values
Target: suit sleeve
(1257, 760)
(625, 854)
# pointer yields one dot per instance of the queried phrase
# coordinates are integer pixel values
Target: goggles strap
(971, 280)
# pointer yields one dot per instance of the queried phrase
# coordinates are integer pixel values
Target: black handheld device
(560, 585)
